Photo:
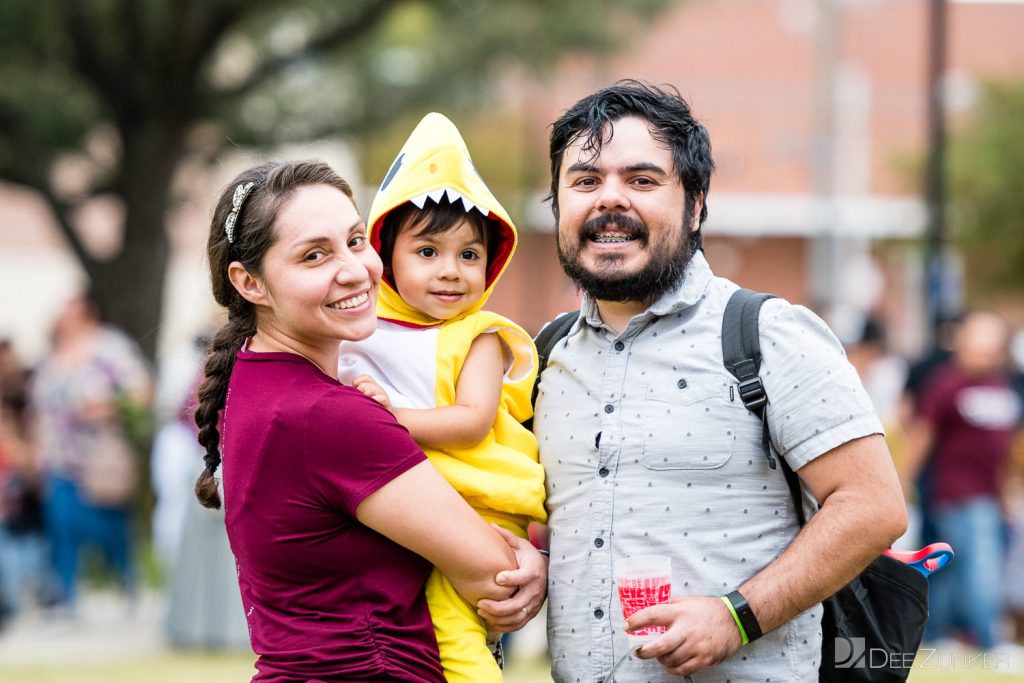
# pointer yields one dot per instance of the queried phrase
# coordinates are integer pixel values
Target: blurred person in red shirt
(969, 414)
(22, 543)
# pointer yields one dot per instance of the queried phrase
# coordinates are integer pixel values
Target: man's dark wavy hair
(671, 123)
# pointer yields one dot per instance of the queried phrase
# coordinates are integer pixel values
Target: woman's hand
(369, 387)
(531, 582)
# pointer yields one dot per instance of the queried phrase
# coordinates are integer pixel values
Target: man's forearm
(827, 554)
(857, 521)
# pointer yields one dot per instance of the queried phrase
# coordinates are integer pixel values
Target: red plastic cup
(643, 580)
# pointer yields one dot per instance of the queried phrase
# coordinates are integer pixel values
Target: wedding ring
(526, 611)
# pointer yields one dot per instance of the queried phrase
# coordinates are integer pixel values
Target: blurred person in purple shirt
(969, 414)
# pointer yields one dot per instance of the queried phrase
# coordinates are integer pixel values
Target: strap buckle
(752, 393)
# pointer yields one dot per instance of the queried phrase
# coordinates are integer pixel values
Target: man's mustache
(626, 224)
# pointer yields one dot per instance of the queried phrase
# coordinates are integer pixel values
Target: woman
(76, 397)
(333, 513)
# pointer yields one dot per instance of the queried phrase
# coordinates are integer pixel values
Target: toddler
(457, 377)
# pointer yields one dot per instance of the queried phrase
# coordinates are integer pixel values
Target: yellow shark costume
(417, 360)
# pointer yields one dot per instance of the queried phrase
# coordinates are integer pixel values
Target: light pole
(936, 281)
(824, 247)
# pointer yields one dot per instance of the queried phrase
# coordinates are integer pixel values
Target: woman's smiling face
(321, 276)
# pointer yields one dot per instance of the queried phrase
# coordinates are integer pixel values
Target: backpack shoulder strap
(741, 355)
(741, 346)
(551, 334)
(546, 340)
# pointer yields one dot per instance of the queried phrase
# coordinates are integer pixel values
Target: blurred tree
(986, 165)
(106, 100)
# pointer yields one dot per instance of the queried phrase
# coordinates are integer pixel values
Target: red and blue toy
(927, 560)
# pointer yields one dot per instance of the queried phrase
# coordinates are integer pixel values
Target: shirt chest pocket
(686, 428)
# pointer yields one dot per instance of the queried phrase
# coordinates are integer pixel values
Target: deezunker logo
(850, 653)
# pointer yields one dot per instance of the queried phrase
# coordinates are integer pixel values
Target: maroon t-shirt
(975, 419)
(326, 598)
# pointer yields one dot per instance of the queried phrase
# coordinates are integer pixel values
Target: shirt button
(603, 472)
(609, 408)
(599, 613)
(681, 384)
(598, 542)
(619, 346)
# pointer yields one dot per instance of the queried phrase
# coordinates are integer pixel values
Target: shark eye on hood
(393, 171)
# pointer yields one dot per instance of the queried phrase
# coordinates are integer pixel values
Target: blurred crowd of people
(77, 439)
(953, 420)
(75, 432)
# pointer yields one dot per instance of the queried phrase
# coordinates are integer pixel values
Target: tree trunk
(131, 286)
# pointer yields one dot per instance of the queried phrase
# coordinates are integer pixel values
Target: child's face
(444, 274)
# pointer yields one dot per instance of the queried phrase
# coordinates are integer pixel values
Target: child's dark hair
(434, 219)
(251, 233)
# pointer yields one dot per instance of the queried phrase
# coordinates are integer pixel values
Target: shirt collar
(688, 292)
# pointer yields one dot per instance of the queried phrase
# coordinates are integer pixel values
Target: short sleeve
(816, 401)
(519, 352)
(353, 447)
(520, 361)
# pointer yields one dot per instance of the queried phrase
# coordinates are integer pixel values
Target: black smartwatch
(745, 615)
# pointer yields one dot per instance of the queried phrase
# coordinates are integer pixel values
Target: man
(917, 379)
(646, 445)
(968, 417)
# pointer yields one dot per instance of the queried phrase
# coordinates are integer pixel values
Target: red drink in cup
(643, 580)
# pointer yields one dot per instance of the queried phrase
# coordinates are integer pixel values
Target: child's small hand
(365, 384)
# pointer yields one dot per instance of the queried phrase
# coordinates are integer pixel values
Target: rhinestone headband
(241, 192)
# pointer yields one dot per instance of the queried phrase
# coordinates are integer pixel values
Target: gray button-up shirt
(649, 450)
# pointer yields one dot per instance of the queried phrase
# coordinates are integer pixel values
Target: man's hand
(369, 387)
(701, 633)
(531, 582)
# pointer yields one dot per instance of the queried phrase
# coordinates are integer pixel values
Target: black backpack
(873, 626)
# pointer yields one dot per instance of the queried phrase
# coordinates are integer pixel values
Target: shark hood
(433, 163)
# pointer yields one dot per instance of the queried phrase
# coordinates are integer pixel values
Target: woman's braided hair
(245, 238)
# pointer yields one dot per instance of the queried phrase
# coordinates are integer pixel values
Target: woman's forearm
(422, 512)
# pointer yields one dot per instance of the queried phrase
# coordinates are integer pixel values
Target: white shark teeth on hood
(453, 196)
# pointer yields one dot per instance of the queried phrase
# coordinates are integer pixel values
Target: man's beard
(663, 271)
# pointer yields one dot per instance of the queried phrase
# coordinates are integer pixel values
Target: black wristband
(745, 615)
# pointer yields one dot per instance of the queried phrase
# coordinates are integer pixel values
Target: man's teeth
(453, 196)
(351, 303)
(612, 237)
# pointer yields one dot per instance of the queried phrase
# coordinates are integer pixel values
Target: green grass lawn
(536, 671)
(165, 668)
(219, 668)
